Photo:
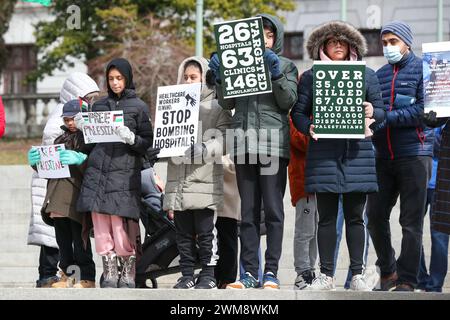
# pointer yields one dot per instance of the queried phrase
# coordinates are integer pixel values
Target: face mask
(392, 54)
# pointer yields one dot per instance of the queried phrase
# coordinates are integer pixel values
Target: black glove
(431, 121)
(152, 155)
(196, 150)
(214, 66)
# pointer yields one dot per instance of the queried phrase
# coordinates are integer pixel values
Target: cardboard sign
(176, 118)
(102, 126)
(240, 47)
(339, 93)
(436, 77)
(50, 167)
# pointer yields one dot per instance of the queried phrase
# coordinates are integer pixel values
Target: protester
(228, 217)
(336, 167)
(404, 147)
(305, 230)
(432, 279)
(111, 188)
(261, 164)
(194, 189)
(39, 233)
(60, 201)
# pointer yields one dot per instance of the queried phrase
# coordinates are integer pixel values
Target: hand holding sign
(214, 65)
(68, 157)
(33, 156)
(79, 121)
(312, 133)
(126, 134)
(368, 109)
(273, 62)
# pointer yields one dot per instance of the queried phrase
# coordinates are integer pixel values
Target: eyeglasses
(334, 42)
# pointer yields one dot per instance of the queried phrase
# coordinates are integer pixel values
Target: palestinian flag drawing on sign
(86, 118)
(117, 117)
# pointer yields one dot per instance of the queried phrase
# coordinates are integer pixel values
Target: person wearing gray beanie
(397, 38)
(402, 145)
(400, 29)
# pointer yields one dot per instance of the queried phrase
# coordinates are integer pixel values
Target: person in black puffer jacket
(337, 167)
(111, 188)
(404, 147)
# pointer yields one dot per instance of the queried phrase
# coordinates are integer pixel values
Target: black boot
(110, 271)
(128, 273)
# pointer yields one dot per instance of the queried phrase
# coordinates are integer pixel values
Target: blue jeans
(339, 226)
(434, 281)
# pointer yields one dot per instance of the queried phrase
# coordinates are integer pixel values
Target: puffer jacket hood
(207, 86)
(125, 69)
(341, 31)
(279, 32)
(78, 84)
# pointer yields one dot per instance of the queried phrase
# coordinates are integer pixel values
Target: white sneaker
(322, 282)
(371, 277)
(358, 283)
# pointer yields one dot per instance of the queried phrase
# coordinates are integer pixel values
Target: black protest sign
(240, 47)
(338, 96)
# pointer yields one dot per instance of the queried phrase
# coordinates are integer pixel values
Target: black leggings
(353, 206)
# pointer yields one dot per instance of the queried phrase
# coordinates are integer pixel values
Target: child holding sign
(260, 150)
(194, 189)
(338, 166)
(111, 188)
(59, 207)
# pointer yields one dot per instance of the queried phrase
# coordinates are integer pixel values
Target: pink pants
(110, 235)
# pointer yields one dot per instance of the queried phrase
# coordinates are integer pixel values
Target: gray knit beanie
(400, 29)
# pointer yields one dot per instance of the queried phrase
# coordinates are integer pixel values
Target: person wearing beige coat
(194, 188)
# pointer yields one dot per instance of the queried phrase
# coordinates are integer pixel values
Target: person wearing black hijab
(111, 188)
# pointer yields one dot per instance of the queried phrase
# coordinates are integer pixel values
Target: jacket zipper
(390, 109)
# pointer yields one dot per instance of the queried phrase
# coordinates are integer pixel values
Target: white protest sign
(436, 77)
(102, 126)
(176, 118)
(50, 167)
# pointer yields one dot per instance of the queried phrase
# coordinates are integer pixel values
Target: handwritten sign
(50, 167)
(176, 118)
(102, 126)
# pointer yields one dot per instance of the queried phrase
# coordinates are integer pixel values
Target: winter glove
(431, 121)
(68, 157)
(214, 66)
(79, 121)
(126, 134)
(196, 150)
(273, 62)
(33, 156)
(152, 155)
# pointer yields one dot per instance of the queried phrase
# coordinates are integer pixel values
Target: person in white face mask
(404, 147)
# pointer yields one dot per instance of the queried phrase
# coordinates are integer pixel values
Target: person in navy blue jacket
(337, 167)
(404, 147)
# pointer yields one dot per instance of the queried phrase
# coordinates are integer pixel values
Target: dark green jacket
(265, 111)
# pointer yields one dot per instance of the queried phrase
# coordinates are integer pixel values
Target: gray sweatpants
(305, 234)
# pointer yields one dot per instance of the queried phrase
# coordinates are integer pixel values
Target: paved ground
(18, 262)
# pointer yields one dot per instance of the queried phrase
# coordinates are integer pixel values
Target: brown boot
(388, 282)
(84, 284)
(64, 281)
